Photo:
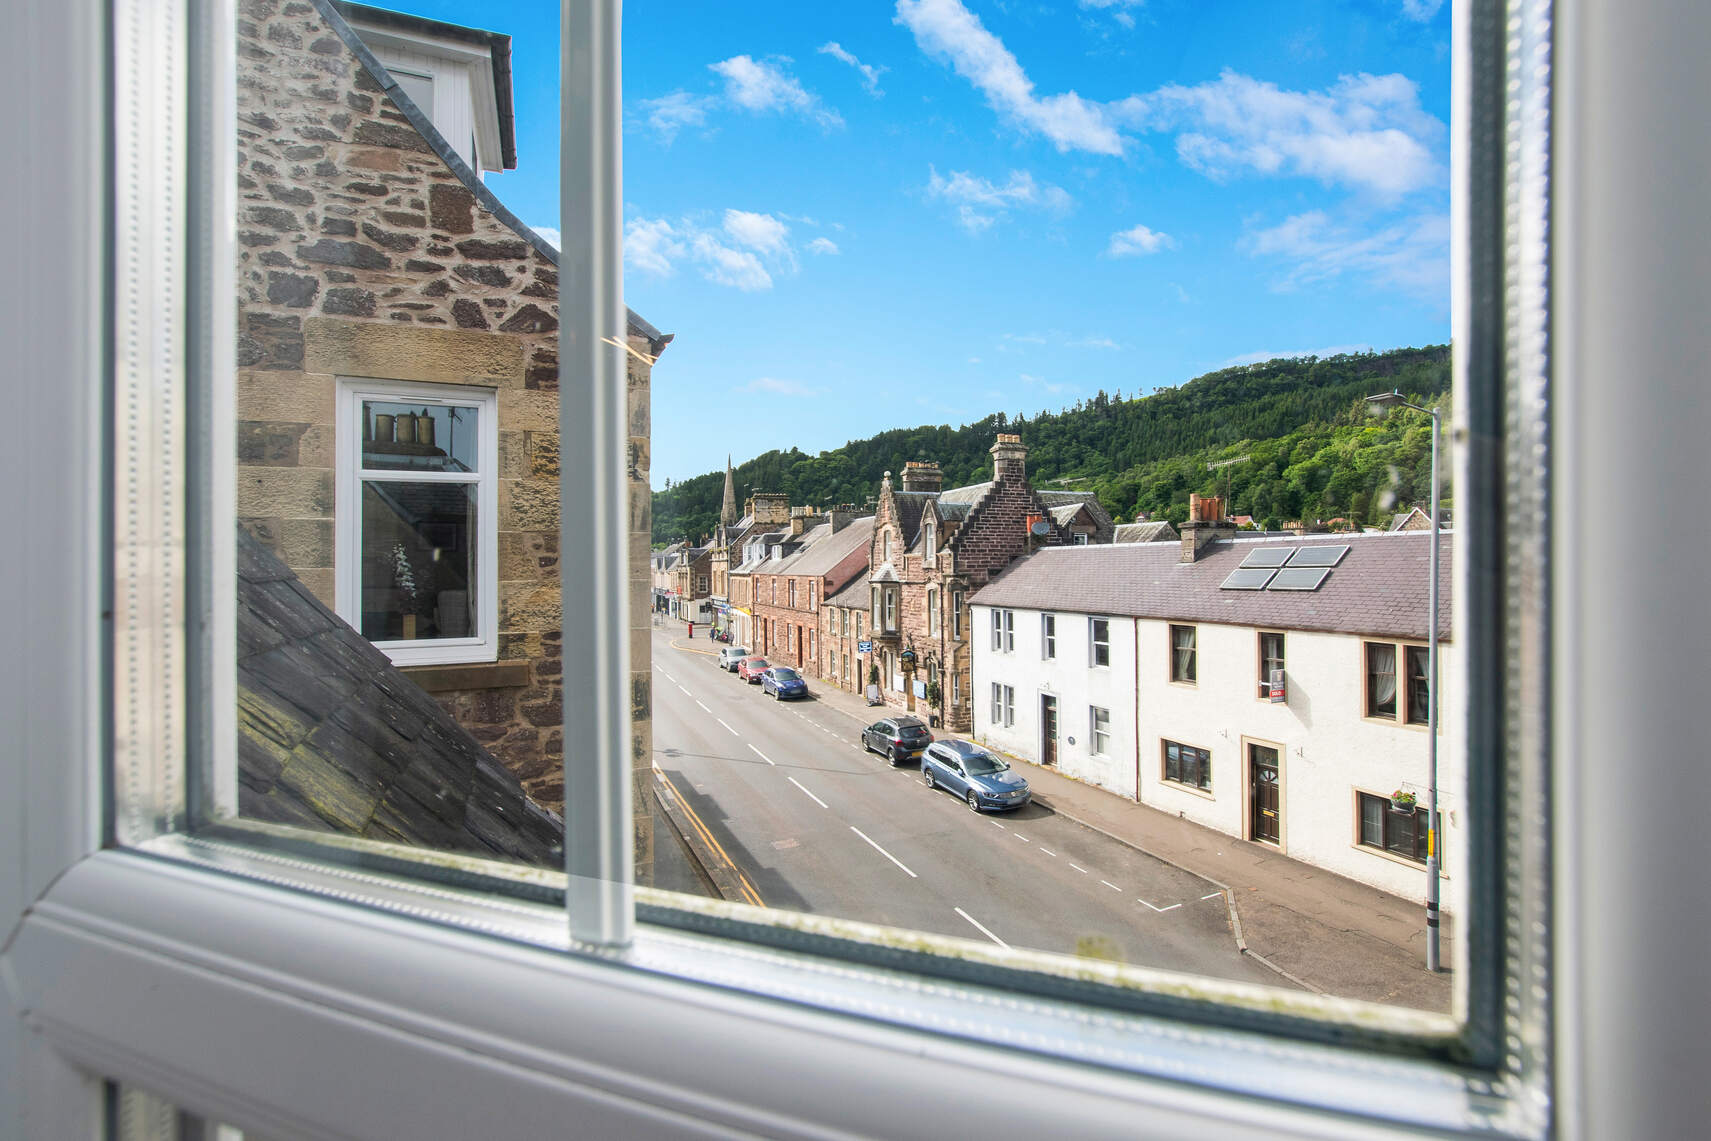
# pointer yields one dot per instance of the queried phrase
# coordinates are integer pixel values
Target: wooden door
(1265, 795)
(1048, 730)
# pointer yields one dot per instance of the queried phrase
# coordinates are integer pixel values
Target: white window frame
(1098, 730)
(347, 526)
(932, 612)
(1095, 644)
(956, 614)
(130, 966)
(1048, 637)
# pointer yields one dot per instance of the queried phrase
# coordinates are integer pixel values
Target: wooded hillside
(1313, 450)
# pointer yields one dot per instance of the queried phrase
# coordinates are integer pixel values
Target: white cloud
(761, 86)
(973, 360)
(1093, 343)
(947, 30)
(1267, 355)
(1421, 10)
(550, 234)
(1137, 241)
(1009, 341)
(823, 246)
(1412, 255)
(869, 74)
(980, 202)
(669, 114)
(723, 265)
(652, 246)
(1119, 9)
(1026, 378)
(777, 387)
(1181, 293)
(762, 233)
(1368, 132)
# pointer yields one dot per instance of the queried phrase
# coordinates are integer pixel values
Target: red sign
(1277, 687)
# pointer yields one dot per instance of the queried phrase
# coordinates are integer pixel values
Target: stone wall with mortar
(362, 253)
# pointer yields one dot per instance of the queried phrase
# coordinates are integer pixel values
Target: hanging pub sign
(864, 647)
(1277, 694)
(908, 658)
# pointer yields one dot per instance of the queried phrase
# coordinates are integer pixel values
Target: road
(816, 824)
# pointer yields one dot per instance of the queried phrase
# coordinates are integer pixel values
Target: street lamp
(1378, 405)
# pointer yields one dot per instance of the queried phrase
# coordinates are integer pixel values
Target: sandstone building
(397, 393)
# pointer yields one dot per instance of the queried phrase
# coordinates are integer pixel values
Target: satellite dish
(1040, 527)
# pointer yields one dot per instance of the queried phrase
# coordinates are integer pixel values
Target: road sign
(864, 647)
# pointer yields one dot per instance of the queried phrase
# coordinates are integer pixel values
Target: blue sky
(881, 213)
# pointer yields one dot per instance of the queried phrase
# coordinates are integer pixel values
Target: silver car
(729, 656)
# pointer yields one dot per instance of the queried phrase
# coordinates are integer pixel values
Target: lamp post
(1378, 404)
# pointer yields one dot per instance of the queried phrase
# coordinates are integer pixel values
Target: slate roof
(825, 552)
(856, 596)
(1379, 587)
(952, 512)
(970, 495)
(910, 505)
(1159, 531)
(332, 737)
(1062, 515)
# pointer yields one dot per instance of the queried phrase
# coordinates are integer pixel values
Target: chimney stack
(1009, 458)
(771, 508)
(919, 475)
(843, 515)
(801, 518)
(1206, 524)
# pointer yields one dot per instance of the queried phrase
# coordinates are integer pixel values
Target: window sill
(476, 675)
(1178, 786)
(1417, 865)
(110, 961)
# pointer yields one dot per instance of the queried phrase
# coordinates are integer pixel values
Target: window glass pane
(405, 437)
(418, 560)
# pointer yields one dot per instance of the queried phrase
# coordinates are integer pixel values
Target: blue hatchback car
(782, 682)
(984, 780)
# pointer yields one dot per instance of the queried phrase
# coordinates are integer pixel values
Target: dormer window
(932, 542)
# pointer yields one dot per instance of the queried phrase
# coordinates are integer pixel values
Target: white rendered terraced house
(1148, 669)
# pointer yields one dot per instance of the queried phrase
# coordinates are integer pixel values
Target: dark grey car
(899, 738)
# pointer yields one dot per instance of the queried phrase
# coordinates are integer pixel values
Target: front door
(1048, 730)
(1263, 794)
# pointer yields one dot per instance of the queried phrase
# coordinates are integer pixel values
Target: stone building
(764, 525)
(397, 393)
(932, 549)
(791, 590)
(843, 629)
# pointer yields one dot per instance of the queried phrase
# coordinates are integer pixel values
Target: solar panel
(1318, 556)
(1252, 578)
(1299, 578)
(1267, 557)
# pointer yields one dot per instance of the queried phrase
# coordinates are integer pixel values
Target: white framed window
(417, 534)
(956, 689)
(1098, 730)
(1003, 631)
(930, 544)
(1099, 642)
(1048, 636)
(1003, 705)
(1081, 538)
(956, 614)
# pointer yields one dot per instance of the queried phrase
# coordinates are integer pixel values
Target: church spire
(728, 513)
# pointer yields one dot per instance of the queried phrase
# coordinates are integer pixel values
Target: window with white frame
(1003, 704)
(932, 611)
(930, 543)
(956, 614)
(1098, 730)
(1099, 642)
(1003, 631)
(1048, 636)
(417, 525)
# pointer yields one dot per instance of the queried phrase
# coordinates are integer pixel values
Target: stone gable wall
(361, 253)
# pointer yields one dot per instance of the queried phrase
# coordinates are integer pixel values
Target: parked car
(984, 780)
(900, 738)
(750, 669)
(730, 657)
(782, 682)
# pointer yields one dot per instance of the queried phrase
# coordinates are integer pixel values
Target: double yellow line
(750, 895)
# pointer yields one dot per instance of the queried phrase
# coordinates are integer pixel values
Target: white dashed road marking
(721, 721)
(704, 709)
(810, 795)
(1048, 851)
(993, 822)
(1020, 837)
(1156, 907)
(1213, 895)
(667, 676)
(1110, 885)
(982, 927)
(886, 854)
(1079, 868)
(686, 693)
(760, 754)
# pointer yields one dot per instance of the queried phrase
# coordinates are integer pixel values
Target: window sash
(1099, 641)
(1381, 680)
(1183, 667)
(1270, 658)
(1048, 636)
(75, 46)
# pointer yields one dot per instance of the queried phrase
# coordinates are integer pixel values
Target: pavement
(1318, 930)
